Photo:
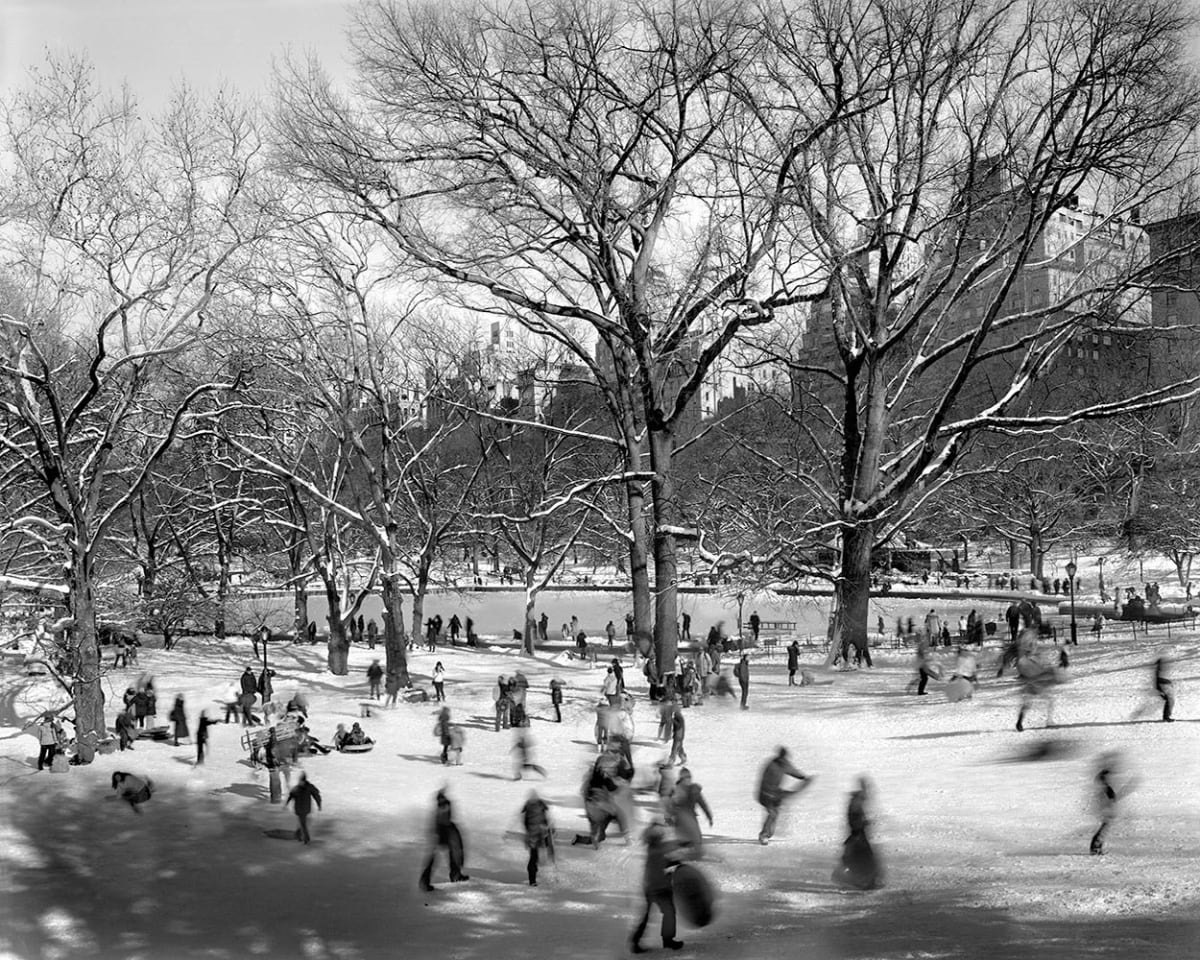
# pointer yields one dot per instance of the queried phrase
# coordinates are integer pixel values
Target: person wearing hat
(620, 674)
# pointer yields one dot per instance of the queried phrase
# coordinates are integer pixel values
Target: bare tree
(613, 175)
(119, 236)
(975, 225)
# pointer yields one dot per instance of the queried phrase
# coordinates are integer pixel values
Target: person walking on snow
(662, 856)
(610, 632)
(374, 678)
(202, 726)
(743, 677)
(678, 730)
(538, 833)
(755, 624)
(523, 748)
(1164, 687)
(445, 834)
(771, 792)
(685, 798)
(302, 796)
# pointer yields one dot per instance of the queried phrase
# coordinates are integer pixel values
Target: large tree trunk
(666, 607)
(300, 603)
(853, 585)
(1014, 558)
(1037, 553)
(394, 636)
(339, 644)
(639, 572)
(529, 643)
(85, 686)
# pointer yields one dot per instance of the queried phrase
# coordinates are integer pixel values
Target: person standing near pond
(793, 661)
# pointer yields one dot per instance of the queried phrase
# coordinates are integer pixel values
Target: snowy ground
(985, 855)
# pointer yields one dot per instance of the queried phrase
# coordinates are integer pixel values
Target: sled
(959, 689)
(356, 748)
(695, 898)
(414, 695)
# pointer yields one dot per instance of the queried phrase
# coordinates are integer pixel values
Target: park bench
(771, 631)
(285, 729)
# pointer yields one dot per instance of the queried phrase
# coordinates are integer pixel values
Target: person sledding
(662, 856)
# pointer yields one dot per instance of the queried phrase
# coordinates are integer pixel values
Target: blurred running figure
(859, 867)
(1106, 798)
(661, 858)
(771, 792)
(1164, 687)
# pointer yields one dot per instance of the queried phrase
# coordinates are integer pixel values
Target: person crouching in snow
(132, 789)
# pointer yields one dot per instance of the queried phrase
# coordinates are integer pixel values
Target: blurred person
(742, 671)
(374, 677)
(678, 732)
(686, 796)
(1037, 679)
(771, 792)
(441, 730)
(662, 856)
(1106, 799)
(134, 790)
(178, 717)
(859, 867)
(500, 695)
(124, 726)
(458, 740)
(302, 796)
(1164, 687)
(391, 686)
(523, 748)
(202, 726)
(445, 834)
(535, 816)
(609, 688)
(556, 698)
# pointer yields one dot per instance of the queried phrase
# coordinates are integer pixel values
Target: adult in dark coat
(538, 833)
(141, 707)
(302, 796)
(178, 717)
(661, 856)
(619, 672)
(793, 655)
(202, 726)
(455, 628)
(124, 728)
(771, 792)
(859, 867)
(445, 834)
(556, 698)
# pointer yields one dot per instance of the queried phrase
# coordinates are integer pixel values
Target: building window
(1107, 340)
(1095, 354)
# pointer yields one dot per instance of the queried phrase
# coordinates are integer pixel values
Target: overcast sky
(153, 43)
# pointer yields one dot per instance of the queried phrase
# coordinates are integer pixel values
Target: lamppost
(1071, 568)
(741, 598)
